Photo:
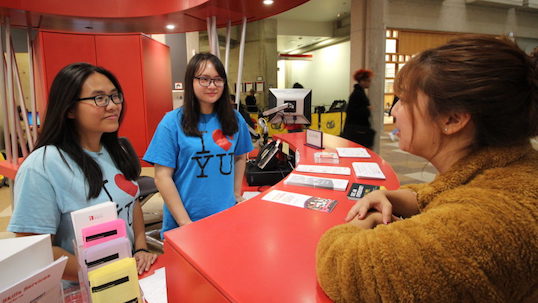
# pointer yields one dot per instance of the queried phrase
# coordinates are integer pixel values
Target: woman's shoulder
(508, 165)
(175, 113)
(237, 113)
(45, 156)
(510, 182)
(49, 151)
(239, 118)
(173, 116)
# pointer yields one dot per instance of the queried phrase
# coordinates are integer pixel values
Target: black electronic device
(337, 106)
(319, 109)
(258, 177)
(298, 111)
(267, 169)
(267, 156)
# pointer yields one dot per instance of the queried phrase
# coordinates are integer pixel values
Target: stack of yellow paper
(115, 282)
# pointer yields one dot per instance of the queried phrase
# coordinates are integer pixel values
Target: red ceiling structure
(147, 16)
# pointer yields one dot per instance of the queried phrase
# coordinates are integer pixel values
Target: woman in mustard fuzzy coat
(471, 235)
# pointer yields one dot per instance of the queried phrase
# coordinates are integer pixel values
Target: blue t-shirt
(47, 191)
(203, 167)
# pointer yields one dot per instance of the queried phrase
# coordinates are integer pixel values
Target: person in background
(250, 101)
(357, 126)
(78, 162)
(199, 150)
(469, 107)
(242, 111)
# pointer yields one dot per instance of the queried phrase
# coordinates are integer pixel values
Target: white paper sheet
(22, 256)
(316, 182)
(300, 200)
(353, 152)
(42, 285)
(324, 169)
(368, 170)
(154, 287)
(250, 194)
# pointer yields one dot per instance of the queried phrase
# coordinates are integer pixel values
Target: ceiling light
(170, 26)
(268, 2)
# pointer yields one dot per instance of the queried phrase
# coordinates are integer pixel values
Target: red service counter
(260, 251)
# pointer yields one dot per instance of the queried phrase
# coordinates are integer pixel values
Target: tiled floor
(409, 168)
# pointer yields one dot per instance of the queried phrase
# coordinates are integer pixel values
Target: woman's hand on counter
(376, 200)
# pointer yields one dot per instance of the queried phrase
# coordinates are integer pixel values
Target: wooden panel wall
(411, 43)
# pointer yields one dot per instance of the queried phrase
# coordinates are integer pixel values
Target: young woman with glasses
(79, 162)
(199, 150)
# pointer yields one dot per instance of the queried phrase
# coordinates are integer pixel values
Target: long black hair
(61, 132)
(191, 106)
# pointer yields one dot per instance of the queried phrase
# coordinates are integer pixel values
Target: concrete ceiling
(322, 12)
(288, 43)
(318, 11)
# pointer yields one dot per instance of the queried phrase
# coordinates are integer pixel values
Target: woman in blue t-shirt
(79, 162)
(199, 150)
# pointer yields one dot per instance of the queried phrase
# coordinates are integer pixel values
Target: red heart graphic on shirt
(221, 140)
(126, 185)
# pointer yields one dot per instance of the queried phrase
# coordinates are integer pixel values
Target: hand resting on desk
(144, 260)
(402, 202)
(371, 220)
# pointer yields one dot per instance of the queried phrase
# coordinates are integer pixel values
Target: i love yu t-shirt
(203, 166)
(47, 190)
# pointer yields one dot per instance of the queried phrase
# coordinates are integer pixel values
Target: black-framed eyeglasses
(205, 81)
(394, 101)
(103, 100)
